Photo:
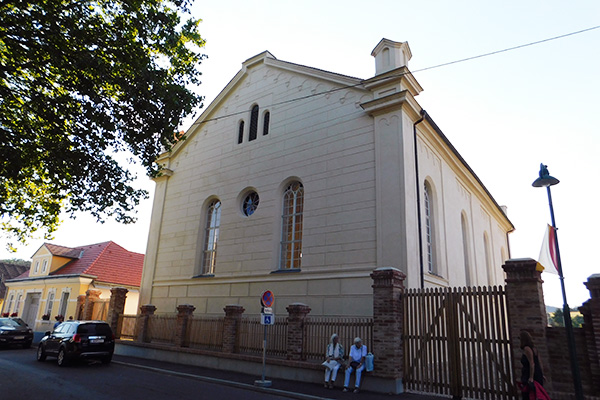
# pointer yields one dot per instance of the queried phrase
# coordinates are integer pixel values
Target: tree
(557, 318)
(85, 84)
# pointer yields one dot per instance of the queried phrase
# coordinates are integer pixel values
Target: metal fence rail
(318, 331)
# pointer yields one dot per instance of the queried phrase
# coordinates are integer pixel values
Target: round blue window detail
(250, 203)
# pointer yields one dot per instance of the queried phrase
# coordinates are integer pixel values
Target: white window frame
(50, 303)
(211, 237)
(292, 227)
(44, 266)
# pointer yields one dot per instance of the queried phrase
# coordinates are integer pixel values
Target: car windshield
(9, 322)
(95, 329)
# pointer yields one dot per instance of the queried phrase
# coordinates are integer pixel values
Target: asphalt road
(22, 377)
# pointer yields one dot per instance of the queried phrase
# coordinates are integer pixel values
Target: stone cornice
(392, 102)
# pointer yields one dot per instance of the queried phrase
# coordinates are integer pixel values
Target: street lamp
(545, 180)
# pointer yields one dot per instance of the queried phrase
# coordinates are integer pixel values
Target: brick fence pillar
(231, 327)
(527, 311)
(591, 325)
(116, 307)
(295, 335)
(388, 284)
(80, 306)
(184, 313)
(146, 311)
(91, 296)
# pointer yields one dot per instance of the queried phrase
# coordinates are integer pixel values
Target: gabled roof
(268, 59)
(9, 271)
(62, 251)
(107, 261)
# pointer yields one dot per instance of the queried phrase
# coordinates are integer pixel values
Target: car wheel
(61, 359)
(107, 359)
(26, 345)
(41, 353)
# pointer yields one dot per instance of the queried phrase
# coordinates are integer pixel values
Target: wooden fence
(161, 328)
(251, 336)
(205, 333)
(318, 331)
(456, 342)
(126, 326)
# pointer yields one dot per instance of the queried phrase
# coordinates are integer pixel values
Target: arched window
(241, 132)
(211, 237)
(253, 123)
(488, 260)
(465, 239)
(291, 226)
(266, 120)
(429, 228)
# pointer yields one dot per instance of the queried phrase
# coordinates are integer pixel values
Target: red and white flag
(547, 257)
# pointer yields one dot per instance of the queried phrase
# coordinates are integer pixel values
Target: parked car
(77, 340)
(15, 331)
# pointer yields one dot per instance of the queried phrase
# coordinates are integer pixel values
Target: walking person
(533, 371)
(334, 355)
(358, 352)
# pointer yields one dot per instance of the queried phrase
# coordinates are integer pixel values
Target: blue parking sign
(267, 319)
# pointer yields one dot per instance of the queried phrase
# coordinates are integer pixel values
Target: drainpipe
(417, 180)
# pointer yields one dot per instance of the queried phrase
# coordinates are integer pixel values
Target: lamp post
(545, 180)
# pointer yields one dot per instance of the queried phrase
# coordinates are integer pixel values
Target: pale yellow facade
(41, 297)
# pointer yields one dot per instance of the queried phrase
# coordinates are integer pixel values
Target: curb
(292, 395)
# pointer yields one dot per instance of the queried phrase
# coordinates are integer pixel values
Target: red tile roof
(108, 261)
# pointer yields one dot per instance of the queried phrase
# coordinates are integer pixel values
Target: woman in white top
(334, 356)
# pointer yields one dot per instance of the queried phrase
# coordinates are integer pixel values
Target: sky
(505, 113)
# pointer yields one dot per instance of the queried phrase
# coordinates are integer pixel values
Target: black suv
(15, 331)
(78, 339)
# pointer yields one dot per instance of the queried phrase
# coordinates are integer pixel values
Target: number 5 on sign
(267, 319)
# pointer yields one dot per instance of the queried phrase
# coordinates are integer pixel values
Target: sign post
(266, 318)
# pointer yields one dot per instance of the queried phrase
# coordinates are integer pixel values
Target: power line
(405, 73)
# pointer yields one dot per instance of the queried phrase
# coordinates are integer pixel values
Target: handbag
(369, 361)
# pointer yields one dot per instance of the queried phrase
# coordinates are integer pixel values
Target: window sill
(285, 271)
(203, 276)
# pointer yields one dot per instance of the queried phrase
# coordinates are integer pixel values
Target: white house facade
(302, 182)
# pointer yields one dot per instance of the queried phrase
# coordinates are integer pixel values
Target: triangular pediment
(296, 78)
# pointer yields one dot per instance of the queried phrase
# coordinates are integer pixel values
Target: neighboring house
(9, 271)
(59, 274)
(303, 181)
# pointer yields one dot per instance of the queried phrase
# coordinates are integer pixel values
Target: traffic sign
(267, 310)
(267, 319)
(267, 299)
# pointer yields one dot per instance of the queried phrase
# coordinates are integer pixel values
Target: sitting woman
(358, 353)
(334, 356)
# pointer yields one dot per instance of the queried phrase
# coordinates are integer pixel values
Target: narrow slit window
(266, 119)
(253, 124)
(241, 132)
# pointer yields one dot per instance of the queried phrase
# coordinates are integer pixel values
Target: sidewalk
(291, 389)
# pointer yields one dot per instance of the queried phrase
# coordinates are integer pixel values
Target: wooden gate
(456, 343)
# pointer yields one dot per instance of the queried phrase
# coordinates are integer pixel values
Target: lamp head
(545, 179)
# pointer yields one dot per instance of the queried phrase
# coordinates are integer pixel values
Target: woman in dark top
(532, 366)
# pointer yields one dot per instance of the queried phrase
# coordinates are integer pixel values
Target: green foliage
(577, 321)
(80, 83)
(557, 318)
